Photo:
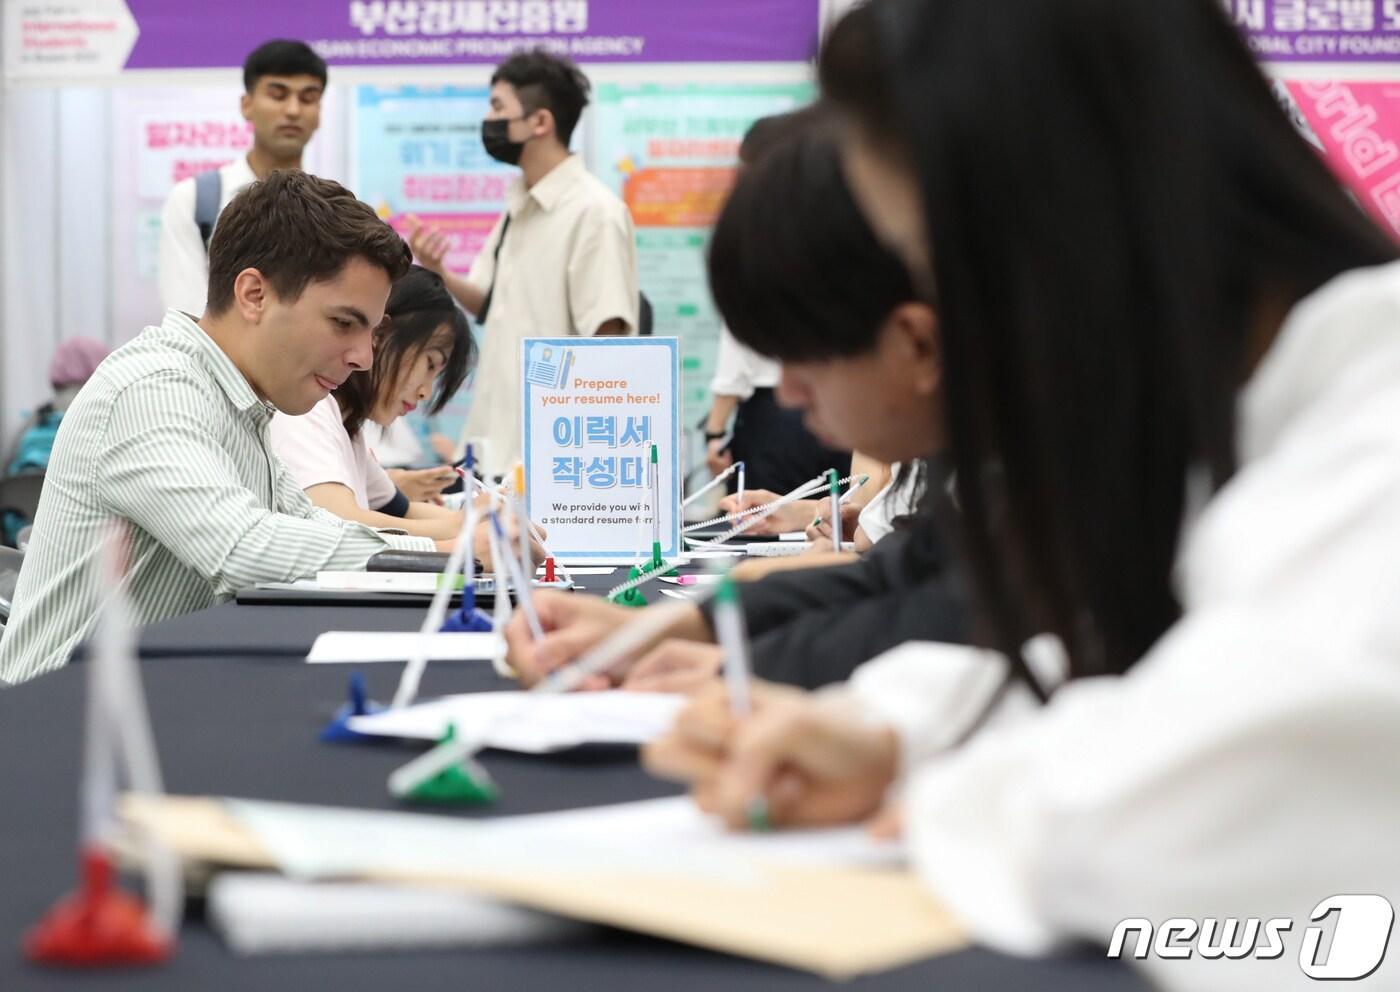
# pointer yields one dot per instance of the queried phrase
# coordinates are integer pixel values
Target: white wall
(54, 226)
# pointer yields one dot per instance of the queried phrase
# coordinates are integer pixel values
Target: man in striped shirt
(171, 432)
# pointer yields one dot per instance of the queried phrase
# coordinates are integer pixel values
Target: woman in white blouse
(1172, 349)
(422, 353)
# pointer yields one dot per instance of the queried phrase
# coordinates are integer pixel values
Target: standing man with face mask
(562, 259)
(283, 82)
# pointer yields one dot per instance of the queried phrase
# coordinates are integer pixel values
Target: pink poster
(1358, 127)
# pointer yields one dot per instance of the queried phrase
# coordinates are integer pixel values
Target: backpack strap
(208, 188)
(495, 265)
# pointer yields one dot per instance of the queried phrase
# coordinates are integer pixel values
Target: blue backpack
(31, 458)
(208, 189)
(36, 442)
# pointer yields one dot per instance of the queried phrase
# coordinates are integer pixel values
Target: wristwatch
(715, 436)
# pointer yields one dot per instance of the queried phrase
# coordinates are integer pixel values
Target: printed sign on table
(593, 407)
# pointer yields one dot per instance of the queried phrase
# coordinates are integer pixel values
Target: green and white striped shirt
(168, 435)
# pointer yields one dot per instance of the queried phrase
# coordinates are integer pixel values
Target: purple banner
(1319, 30)
(451, 32)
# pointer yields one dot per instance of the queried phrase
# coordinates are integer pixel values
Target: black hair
(419, 307)
(1111, 198)
(910, 485)
(795, 270)
(547, 82)
(282, 58)
(777, 129)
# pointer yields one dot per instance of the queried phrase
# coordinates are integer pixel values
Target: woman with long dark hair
(1172, 350)
(422, 354)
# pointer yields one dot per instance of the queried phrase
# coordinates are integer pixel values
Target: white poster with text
(593, 408)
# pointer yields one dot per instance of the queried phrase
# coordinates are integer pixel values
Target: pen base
(657, 563)
(463, 784)
(338, 730)
(633, 596)
(463, 622)
(97, 926)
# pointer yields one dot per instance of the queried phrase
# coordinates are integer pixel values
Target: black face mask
(495, 138)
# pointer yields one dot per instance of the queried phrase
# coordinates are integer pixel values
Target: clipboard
(836, 922)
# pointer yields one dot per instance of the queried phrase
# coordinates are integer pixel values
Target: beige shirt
(568, 265)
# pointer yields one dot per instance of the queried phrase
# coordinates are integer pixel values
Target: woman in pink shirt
(422, 353)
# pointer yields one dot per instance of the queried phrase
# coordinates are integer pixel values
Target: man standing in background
(283, 82)
(562, 259)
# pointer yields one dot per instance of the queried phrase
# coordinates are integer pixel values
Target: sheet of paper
(707, 555)
(654, 836)
(574, 570)
(357, 646)
(425, 583)
(612, 560)
(793, 535)
(262, 913)
(532, 722)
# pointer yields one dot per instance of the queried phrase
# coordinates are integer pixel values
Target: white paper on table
(263, 913)
(793, 535)
(578, 571)
(666, 837)
(704, 555)
(357, 646)
(613, 560)
(532, 722)
(421, 583)
(677, 594)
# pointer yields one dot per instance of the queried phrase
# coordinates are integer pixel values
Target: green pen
(733, 642)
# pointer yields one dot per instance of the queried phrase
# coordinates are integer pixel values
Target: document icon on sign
(544, 369)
